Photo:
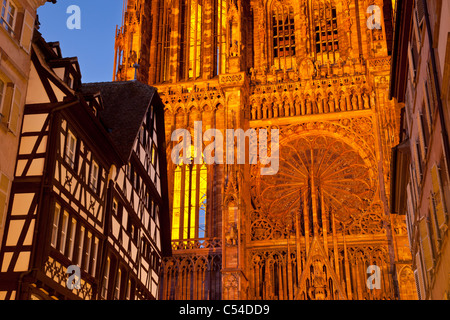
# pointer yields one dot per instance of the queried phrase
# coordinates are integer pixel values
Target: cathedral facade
(318, 72)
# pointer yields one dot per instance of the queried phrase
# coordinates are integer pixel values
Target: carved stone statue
(354, 102)
(232, 235)
(365, 98)
(331, 105)
(308, 106)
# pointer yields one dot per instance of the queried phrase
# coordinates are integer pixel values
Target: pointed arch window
(189, 201)
(326, 31)
(190, 39)
(283, 32)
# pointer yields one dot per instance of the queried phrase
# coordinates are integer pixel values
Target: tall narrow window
(87, 251)
(220, 28)
(105, 282)
(80, 246)
(93, 180)
(283, 30)
(191, 39)
(426, 244)
(117, 287)
(65, 223)
(94, 257)
(2, 94)
(73, 228)
(326, 31)
(128, 295)
(71, 145)
(163, 43)
(154, 152)
(56, 214)
(189, 203)
(438, 196)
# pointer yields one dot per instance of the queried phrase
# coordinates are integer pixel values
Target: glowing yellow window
(189, 202)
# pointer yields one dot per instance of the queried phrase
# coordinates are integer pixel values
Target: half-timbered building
(88, 199)
(17, 20)
(137, 208)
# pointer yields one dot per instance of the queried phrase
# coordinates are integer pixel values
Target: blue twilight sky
(93, 44)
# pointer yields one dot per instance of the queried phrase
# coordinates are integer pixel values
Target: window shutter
(420, 280)
(428, 111)
(27, 32)
(418, 163)
(434, 224)
(7, 101)
(15, 110)
(420, 11)
(426, 245)
(412, 60)
(438, 196)
(410, 214)
(423, 142)
(416, 278)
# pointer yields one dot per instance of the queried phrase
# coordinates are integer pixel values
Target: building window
(426, 246)
(115, 207)
(87, 251)
(438, 196)
(71, 144)
(81, 245)
(191, 39)
(163, 43)
(73, 229)
(220, 30)
(283, 29)
(65, 223)
(93, 179)
(154, 152)
(117, 287)
(2, 94)
(56, 214)
(326, 31)
(106, 279)
(94, 257)
(8, 17)
(128, 296)
(189, 202)
(10, 102)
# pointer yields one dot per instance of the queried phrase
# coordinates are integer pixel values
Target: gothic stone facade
(315, 71)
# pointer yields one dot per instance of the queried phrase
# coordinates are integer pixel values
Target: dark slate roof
(125, 105)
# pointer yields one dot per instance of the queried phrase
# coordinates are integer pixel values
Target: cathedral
(318, 71)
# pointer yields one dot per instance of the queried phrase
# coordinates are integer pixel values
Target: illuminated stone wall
(317, 72)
